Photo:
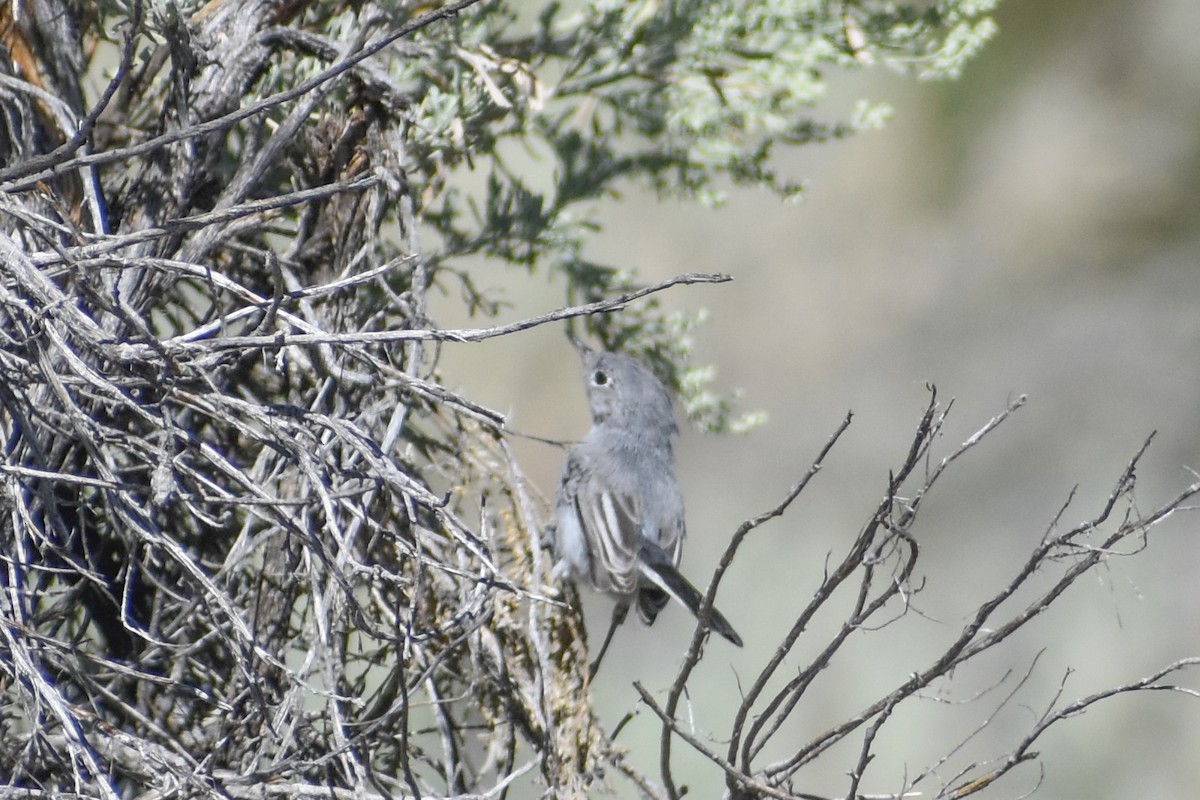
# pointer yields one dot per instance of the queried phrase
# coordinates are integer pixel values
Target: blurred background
(1031, 229)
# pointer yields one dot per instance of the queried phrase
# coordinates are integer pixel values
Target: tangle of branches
(250, 546)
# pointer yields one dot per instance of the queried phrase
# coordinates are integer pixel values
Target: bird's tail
(657, 567)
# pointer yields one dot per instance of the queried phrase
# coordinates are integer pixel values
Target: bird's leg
(620, 610)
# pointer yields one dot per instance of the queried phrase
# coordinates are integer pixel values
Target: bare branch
(887, 540)
(20, 177)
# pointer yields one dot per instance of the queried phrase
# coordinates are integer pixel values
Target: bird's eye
(599, 377)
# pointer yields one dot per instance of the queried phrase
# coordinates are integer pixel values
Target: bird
(619, 513)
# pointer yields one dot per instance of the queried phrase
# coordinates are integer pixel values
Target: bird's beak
(579, 346)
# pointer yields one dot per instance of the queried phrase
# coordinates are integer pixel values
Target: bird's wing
(610, 523)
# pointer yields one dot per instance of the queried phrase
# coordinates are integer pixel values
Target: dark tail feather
(657, 567)
(650, 601)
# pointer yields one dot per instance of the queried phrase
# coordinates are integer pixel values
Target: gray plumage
(620, 519)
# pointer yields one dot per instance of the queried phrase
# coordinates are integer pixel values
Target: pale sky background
(1031, 229)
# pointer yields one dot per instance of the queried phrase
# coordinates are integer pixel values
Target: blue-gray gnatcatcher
(619, 509)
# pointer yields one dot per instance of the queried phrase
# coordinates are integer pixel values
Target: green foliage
(686, 98)
(522, 120)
